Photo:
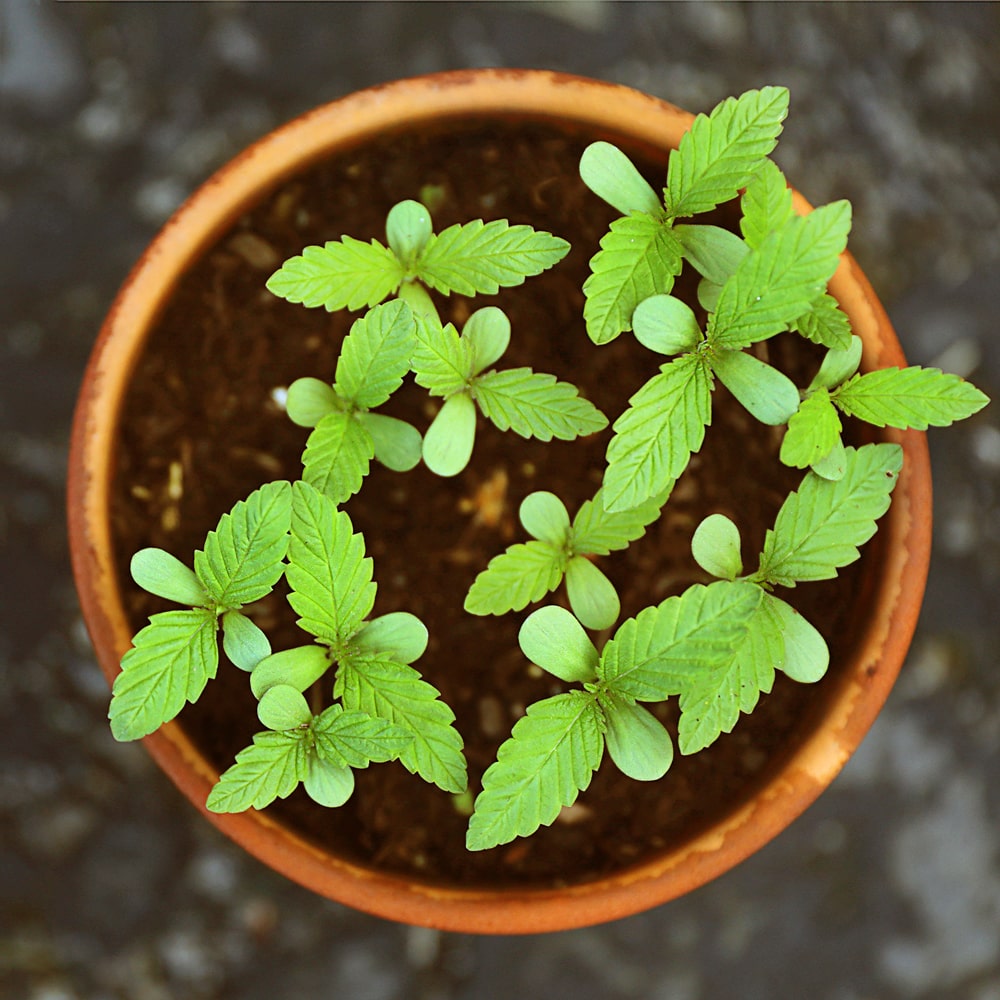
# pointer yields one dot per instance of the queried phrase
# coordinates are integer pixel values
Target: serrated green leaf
(397, 444)
(442, 361)
(534, 404)
(545, 517)
(160, 573)
(480, 259)
(242, 558)
(591, 594)
(655, 654)
(299, 668)
(766, 393)
(270, 769)
(714, 252)
(825, 323)
(345, 273)
(779, 281)
(838, 365)
(338, 456)
(813, 431)
(282, 707)
(806, 655)
(357, 739)
(408, 228)
(821, 525)
(637, 742)
(396, 693)
(552, 638)
(613, 177)
(329, 785)
(399, 635)
(330, 577)
(448, 443)
(526, 572)
(243, 641)
(833, 464)
(639, 257)
(666, 325)
(487, 334)
(170, 662)
(766, 204)
(310, 400)
(548, 760)
(375, 355)
(722, 151)
(715, 546)
(655, 436)
(598, 531)
(909, 397)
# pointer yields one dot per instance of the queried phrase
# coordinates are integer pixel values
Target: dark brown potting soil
(201, 429)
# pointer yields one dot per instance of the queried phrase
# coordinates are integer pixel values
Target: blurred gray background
(112, 887)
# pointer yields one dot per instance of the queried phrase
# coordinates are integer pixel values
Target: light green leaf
(839, 364)
(170, 662)
(270, 769)
(722, 151)
(806, 655)
(397, 444)
(655, 654)
(612, 176)
(526, 572)
(329, 575)
(408, 228)
(338, 455)
(242, 558)
(714, 252)
(442, 361)
(820, 526)
(767, 394)
(345, 273)
(329, 785)
(716, 547)
(299, 668)
(780, 280)
(655, 436)
(534, 404)
(552, 638)
(164, 575)
(825, 323)
(637, 742)
(375, 355)
(813, 431)
(639, 257)
(242, 641)
(451, 436)
(666, 325)
(310, 400)
(356, 739)
(591, 594)
(708, 295)
(766, 204)
(396, 693)
(545, 517)
(598, 531)
(548, 760)
(282, 708)
(912, 397)
(480, 259)
(399, 635)
(833, 465)
(487, 332)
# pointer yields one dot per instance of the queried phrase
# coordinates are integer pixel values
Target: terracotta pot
(852, 703)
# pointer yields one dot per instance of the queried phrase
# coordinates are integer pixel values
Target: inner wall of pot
(201, 428)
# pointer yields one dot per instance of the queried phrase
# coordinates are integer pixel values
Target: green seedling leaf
(909, 397)
(612, 176)
(396, 693)
(375, 355)
(341, 274)
(396, 444)
(714, 252)
(806, 655)
(780, 280)
(766, 393)
(310, 400)
(338, 455)
(655, 654)
(487, 332)
(708, 295)
(442, 361)
(408, 228)
(825, 323)
(716, 547)
(548, 760)
(766, 204)
(481, 258)
(355, 739)
(820, 527)
(298, 668)
(666, 325)
(399, 635)
(598, 531)
(164, 575)
(330, 577)
(270, 769)
(242, 558)
(451, 436)
(545, 517)
(637, 742)
(655, 436)
(839, 364)
(813, 431)
(554, 640)
(420, 302)
(242, 641)
(723, 150)
(535, 405)
(170, 662)
(834, 464)
(282, 708)
(525, 573)
(329, 785)
(639, 257)
(591, 594)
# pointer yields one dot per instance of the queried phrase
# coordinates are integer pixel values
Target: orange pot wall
(854, 703)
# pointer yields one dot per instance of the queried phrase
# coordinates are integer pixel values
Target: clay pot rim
(607, 109)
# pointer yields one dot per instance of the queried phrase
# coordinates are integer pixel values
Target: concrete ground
(112, 887)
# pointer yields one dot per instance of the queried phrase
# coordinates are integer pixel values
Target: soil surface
(202, 429)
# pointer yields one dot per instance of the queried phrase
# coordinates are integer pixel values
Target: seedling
(350, 696)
